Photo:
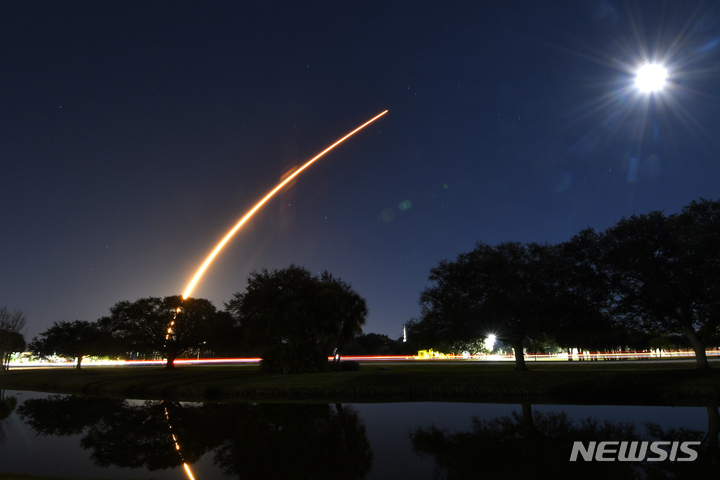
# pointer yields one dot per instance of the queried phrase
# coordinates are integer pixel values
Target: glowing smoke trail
(267, 197)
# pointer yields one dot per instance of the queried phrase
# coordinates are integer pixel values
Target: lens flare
(267, 197)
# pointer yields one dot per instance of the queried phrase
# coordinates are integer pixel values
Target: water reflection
(7, 406)
(527, 444)
(121, 433)
(296, 441)
(249, 441)
(265, 441)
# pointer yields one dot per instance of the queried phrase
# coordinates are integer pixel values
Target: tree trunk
(517, 346)
(527, 425)
(170, 362)
(79, 362)
(5, 361)
(698, 346)
(713, 429)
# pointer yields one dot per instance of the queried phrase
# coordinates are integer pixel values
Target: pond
(84, 437)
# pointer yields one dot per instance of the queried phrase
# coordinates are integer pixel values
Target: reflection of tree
(7, 406)
(529, 444)
(707, 464)
(122, 434)
(296, 441)
(65, 415)
(252, 441)
(138, 436)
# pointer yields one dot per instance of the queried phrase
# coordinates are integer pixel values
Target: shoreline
(625, 384)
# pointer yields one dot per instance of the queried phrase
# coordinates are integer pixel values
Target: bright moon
(651, 78)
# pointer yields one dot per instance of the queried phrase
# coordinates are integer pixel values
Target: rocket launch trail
(251, 212)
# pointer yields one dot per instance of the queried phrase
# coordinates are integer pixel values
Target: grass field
(658, 383)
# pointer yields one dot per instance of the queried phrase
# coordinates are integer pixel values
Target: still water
(81, 437)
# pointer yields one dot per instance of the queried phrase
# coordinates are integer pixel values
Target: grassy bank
(590, 383)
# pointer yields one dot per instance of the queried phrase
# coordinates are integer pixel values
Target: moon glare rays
(267, 197)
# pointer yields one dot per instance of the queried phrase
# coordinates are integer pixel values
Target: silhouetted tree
(170, 326)
(12, 338)
(584, 317)
(666, 272)
(297, 319)
(511, 290)
(10, 342)
(342, 313)
(222, 337)
(76, 339)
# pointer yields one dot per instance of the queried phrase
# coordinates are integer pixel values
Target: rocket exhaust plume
(262, 202)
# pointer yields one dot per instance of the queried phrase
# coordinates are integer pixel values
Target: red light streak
(685, 355)
(267, 197)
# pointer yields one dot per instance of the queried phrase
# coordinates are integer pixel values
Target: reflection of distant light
(405, 205)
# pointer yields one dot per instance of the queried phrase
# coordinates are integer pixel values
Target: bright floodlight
(651, 77)
(490, 342)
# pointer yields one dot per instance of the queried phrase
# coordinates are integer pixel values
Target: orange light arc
(262, 202)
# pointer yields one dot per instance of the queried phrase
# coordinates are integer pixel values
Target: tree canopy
(648, 275)
(72, 339)
(665, 272)
(169, 326)
(12, 339)
(297, 319)
(508, 290)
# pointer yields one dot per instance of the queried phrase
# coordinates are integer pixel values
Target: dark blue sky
(133, 135)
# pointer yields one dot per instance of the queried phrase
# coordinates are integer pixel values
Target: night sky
(133, 135)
